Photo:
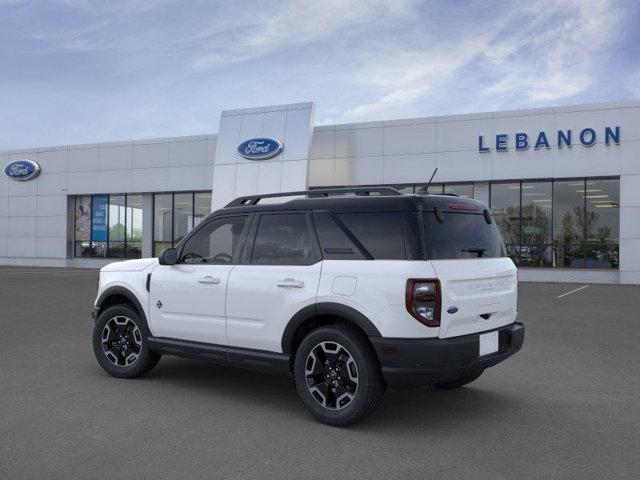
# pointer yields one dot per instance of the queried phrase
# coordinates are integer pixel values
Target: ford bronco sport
(349, 291)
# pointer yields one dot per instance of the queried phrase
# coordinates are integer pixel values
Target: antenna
(426, 188)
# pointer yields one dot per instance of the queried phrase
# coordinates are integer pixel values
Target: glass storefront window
(569, 223)
(162, 222)
(182, 215)
(505, 205)
(108, 226)
(603, 223)
(461, 189)
(134, 226)
(564, 223)
(434, 188)
(82, 227)
(535, 229)
(201, 207)
(175, 215)
(117, 220)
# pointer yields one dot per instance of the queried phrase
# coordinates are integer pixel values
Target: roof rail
(320, 192)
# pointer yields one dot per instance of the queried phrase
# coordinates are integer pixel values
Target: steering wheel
(222, 258)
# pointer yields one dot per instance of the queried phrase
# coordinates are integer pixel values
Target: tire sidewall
(368, 375)
(141, 364)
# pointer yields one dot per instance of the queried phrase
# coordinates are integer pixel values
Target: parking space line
(573, 291)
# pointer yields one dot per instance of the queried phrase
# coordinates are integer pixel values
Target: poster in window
(83, 219)
(99, 218)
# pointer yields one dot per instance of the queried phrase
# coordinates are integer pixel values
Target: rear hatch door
(478, 282)
(477, 295)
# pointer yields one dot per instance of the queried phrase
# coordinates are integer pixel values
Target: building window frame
(172, 242)
(92, 241)
(584, 244)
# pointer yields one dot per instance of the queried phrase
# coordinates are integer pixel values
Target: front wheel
(120, 343)
(337, 375)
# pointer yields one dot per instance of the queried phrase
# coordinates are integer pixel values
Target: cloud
(120, 69)
(541, 53)
(264, 31)
(555, 63)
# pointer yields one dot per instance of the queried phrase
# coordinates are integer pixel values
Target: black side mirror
(168, 256)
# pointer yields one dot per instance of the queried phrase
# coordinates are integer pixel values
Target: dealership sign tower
(262, 150)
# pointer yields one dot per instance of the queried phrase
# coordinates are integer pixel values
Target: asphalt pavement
(566, 406)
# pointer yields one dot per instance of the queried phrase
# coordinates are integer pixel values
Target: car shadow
(424, 408)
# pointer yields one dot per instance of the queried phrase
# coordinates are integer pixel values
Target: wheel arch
(118, 295)
(325, 313)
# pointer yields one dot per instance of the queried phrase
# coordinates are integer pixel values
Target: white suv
(349, 291)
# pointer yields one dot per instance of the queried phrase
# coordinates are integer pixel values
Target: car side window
(334, 242)
(216, 242)
(283, 239)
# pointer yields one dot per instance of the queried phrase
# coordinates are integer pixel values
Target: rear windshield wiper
(476, 250)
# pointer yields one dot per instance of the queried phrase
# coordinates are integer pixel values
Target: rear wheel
(337, 375)
(459, 382)
(120, 343)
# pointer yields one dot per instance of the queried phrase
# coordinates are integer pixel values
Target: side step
(260, 360)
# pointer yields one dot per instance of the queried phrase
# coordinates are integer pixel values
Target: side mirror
(168, 256)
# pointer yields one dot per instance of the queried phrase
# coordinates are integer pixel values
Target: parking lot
(566, 406)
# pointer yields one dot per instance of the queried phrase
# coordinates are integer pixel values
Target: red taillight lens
(423, 301)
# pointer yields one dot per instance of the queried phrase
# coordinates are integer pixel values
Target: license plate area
(489, 343)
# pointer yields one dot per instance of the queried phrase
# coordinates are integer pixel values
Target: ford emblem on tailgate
(260, 148)
(22, 170)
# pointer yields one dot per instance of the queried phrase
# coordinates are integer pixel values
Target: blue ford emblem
(260, 148)
(22, 170)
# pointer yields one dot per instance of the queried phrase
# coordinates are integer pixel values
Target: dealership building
(563, 182)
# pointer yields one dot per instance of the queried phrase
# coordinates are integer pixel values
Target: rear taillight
(423, 301)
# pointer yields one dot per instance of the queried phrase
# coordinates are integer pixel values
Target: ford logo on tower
(260, 148)
(22, 170)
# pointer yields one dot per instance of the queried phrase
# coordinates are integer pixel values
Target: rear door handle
(290, 283)
(209, 280)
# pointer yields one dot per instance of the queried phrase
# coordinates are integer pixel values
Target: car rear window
(379, 232)
(462, 235)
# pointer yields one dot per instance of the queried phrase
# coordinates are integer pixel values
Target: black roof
(357, 203)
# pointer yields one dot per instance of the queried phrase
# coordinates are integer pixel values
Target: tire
(459, 382)
(120, 343)
(337, 375)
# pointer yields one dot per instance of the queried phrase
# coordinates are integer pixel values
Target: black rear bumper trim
(412, 363)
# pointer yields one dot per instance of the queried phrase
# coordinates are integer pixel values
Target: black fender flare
(125, 292)
(326, 308)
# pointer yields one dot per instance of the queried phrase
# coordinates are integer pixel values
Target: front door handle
(209, 280)
(290, 283)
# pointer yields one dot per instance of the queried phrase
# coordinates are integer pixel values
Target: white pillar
(235, 176)
(630, 229)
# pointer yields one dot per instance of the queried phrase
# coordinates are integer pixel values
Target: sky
(80, 71)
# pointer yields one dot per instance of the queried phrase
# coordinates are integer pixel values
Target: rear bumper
(411, 363)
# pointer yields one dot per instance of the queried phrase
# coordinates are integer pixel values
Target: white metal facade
(36, 221)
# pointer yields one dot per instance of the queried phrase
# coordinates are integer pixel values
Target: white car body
(244, 306)
(235, 310)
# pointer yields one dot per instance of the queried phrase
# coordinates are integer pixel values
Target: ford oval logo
(260, 148)
(22, 170)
